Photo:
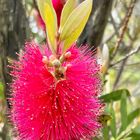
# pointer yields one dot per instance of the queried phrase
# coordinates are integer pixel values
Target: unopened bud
(45, 60)
(105, 59)
(69, 65)
(52, 57)
(56, 63)
(67, 54)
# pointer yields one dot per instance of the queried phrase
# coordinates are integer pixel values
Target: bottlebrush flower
(55, 99)
(55, 87)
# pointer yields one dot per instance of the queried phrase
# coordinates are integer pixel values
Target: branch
(119, 73)
(127, 56)
(116, 30)
(124, 27)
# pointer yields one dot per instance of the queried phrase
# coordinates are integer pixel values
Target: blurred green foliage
(1, 91)
(124, 124)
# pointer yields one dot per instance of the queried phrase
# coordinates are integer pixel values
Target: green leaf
(113, 121)
(105, 133)
(131, 116)
(75, 24)
(135, 134)
(136, 130)
(114, 95)
(123, 110)
(66, 11)
(134, 114)
(49, 16)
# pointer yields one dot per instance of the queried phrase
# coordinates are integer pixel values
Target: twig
(124, 26)
(128, 55)
(119, 73)
(109, 38)
(116, 29)
(132, 64)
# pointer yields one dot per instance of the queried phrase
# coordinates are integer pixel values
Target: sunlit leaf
(114, 95)
(75, 24)
(68, 8)
(49, 16)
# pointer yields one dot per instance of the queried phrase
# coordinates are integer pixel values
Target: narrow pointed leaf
(73, 37)
(75, 24)
(49, 16)
(135, 134)
(68, 8)
(114, 95)
(123, 110)
(105, 131)
(133, 115)
(113, 121)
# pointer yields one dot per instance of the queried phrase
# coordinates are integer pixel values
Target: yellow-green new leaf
(49, 16)
(75, 24)
(74, 35)
(66, 11)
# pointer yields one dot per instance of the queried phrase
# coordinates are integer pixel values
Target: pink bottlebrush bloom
(49, 106)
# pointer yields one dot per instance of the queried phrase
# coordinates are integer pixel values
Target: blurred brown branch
(124, 27)
(127, 56)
